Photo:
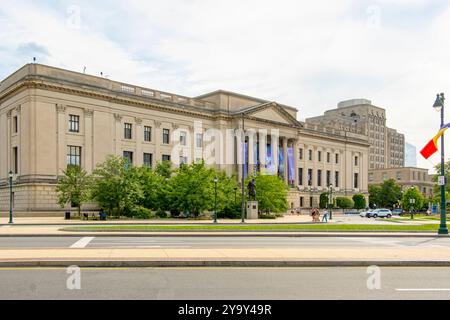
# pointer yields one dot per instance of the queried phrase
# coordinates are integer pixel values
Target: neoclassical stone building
(51, 117)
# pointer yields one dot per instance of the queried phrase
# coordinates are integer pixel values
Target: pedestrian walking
(325, 216)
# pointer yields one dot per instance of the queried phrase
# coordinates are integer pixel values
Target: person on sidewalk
(325, 216)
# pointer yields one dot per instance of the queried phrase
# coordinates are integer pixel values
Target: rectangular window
(319, 178)
(355, 182)
(148, 159)
(310, 173)
(183, 138)
(311, 204)
(302, 202)
(165, 157)
(300, 152)
(147, 133)
(16, 160)
(74, 123)
(128, 155)
(356, 161)
(166, 136)
(337, 158)
(74, 155)
(300, 176)
(199, 140)
(328, 157)
(15, 124)
(319, 156)
(128, 131)
(310, 155)
(336, 179)
(328, 177)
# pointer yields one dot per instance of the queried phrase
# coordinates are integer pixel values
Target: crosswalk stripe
(82, 243)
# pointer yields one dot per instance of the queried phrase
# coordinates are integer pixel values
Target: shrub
(161, 214)
(231, 211)
(360, 201)
(344, 203)
(142, 213)
(323, 202)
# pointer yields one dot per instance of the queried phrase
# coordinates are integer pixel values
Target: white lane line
(82, 243)
(423, 289)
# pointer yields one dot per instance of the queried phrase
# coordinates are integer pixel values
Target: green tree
(323, 201)
(344, 203)
(116, 186)
(74, 187)
(390, 194)
(164, 169)
(192, 189)
(408, 195)
(374, 196)
(151, 185)
(359, 201)
(271, 193)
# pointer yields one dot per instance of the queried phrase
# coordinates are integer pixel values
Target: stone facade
(387, 146)
(406, 177)
(50, 117)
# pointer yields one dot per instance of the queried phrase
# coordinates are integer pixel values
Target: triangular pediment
(272, 112)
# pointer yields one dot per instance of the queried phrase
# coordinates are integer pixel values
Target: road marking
(82, 243)
(423, 289)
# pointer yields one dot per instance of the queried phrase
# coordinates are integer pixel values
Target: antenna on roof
(84, 70)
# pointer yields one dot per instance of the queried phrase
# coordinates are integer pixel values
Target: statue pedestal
(252, 210)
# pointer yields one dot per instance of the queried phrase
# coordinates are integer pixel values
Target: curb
(225, 235)
(213, 263)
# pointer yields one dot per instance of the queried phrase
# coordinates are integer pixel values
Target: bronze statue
(251, 187)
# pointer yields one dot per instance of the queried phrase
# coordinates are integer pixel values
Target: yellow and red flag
(432, 147)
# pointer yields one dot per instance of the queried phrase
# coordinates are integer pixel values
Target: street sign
(441, 180)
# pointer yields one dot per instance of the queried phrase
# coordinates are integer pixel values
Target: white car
(380, 213)
(364, 214)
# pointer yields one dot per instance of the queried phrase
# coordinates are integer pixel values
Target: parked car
(364, 214)
(380, 213)
(397, 212)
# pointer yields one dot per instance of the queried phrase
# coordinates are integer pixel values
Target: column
(88, 137)
(118, 134)
(158, 142)
(296, 158)
(139, 137)
(251, 152)
(285, 159)
(262, 139)
(61, 139)
(274, 141)
(9, 142)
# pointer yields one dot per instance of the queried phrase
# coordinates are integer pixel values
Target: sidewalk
(225, 257)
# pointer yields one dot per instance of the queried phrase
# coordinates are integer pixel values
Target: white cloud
(309, 54)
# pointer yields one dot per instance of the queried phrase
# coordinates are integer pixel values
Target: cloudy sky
(308, 54)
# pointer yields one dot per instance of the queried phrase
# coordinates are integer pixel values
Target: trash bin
(67, 215)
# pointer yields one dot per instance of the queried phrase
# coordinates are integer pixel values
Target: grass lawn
(254, 227)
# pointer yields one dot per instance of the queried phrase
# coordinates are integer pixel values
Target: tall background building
(410, 155)
(387, 146)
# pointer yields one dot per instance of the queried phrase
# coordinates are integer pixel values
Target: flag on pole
(432, 147)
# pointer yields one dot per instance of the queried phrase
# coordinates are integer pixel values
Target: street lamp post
(10, 176)
(412, 201)
(439, 106)
(243, 169)
(215, 199)
(330, 201)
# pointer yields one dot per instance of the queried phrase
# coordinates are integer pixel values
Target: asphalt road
(217, 242)
(226, 283)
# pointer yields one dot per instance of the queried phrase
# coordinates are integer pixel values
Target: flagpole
(443, 226)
